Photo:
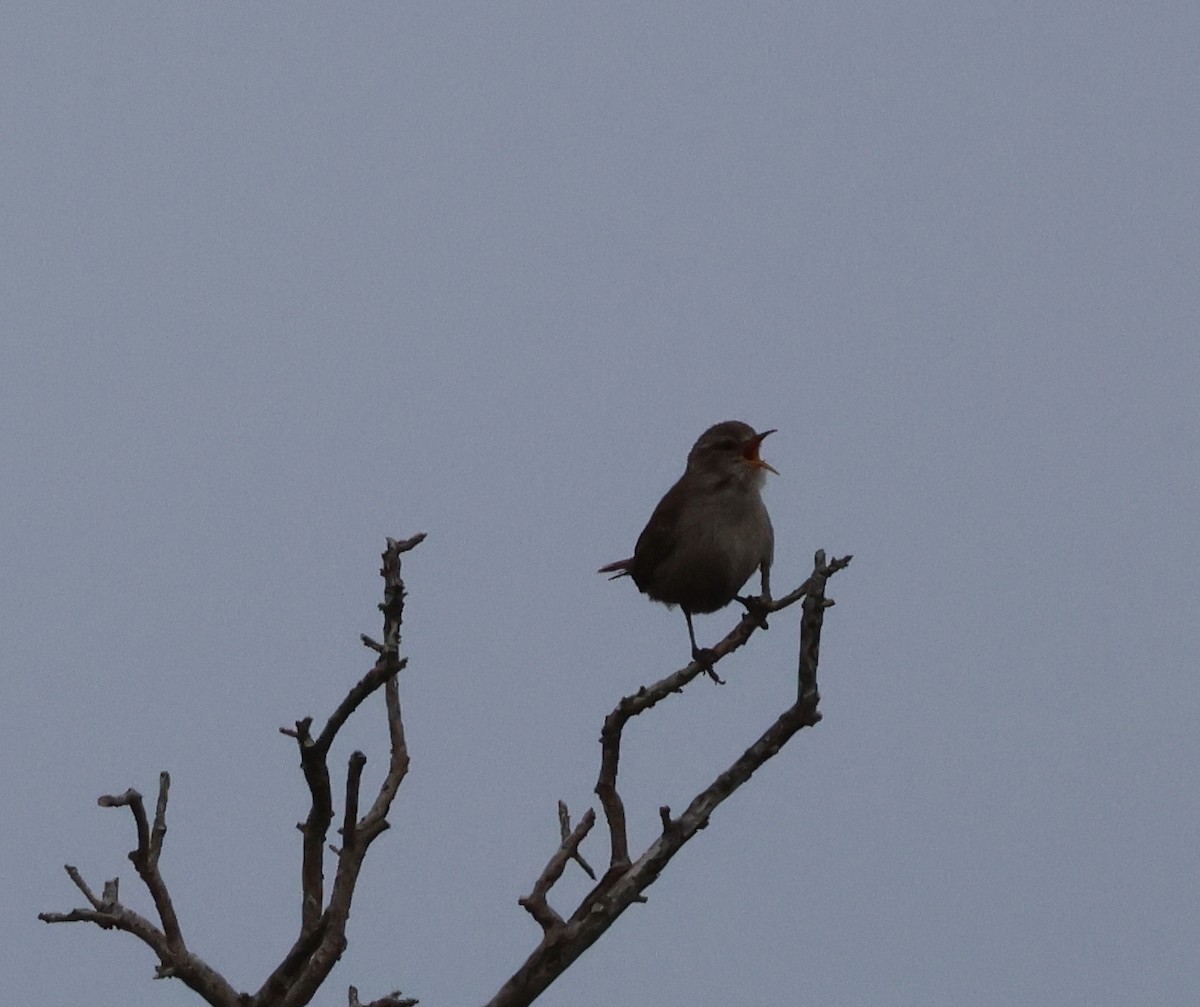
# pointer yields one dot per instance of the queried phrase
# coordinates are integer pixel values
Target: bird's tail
(621, 567)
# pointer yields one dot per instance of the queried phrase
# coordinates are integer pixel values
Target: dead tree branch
(166, 939)
(564, 830)
(322, 936)
(563, 941)
(321, 940)
(396, 999)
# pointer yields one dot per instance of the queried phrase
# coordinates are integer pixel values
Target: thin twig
(74, 875)
(564, 832)
(535, 903)
(394, 999)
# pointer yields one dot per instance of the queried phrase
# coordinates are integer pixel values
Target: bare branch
(363, 688)
(159, 832)
(405, 545)
(375, 821)
(812, 615)
(73, 873)
(395, 999)
(535, 902)
(107, 911)
(322, 928)
(353, 780)
(649, 696)
(314, 828)
(132, 800)
(146, 862)
(296, 980)
(606, 785)
(174, 958)
(623, 883)
(564, 832)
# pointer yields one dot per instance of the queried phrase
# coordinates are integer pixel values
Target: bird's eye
(725, 444)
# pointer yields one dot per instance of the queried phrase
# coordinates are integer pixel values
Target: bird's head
(730, 450)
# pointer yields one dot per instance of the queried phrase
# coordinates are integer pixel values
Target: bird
(710, 532)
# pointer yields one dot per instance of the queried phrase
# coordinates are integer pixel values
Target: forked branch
(165, 939)
(563, 941)
(322, 936)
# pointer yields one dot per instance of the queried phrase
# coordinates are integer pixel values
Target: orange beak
(750, 452)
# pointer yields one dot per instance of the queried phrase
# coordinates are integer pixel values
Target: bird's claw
(705, 656)
(758, 606)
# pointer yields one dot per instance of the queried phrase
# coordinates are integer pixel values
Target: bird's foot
(705, 656)
(758, 606)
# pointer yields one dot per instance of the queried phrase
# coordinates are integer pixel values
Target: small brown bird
(710, 532)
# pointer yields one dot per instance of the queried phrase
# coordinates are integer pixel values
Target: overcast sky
(279, 280)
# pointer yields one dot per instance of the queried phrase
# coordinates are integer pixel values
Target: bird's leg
(702, 654)
(760, 606)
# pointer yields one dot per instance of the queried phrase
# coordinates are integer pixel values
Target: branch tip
(406, 545)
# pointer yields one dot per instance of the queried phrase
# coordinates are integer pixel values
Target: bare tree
(322, 934)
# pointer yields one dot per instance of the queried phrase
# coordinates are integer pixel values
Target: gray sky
(282, 279)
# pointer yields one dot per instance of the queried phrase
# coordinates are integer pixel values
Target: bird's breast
(719, 543)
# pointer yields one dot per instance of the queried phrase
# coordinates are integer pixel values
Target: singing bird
(710, 532)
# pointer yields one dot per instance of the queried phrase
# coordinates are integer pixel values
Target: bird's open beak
(750, 452)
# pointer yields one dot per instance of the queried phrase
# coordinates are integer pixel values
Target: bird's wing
(659, 538)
